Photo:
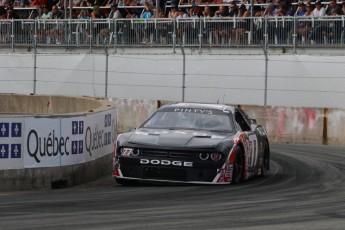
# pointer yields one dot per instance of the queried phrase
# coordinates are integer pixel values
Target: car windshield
(213, 121)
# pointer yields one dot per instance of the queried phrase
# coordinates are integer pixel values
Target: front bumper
(165, 170)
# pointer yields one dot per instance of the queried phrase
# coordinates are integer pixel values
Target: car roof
(220, 107)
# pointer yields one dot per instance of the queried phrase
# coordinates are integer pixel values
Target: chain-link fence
(181, 60)
(291, 80)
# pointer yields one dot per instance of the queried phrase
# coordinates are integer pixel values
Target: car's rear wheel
(266, 161)
(125, 181)
(238, 168)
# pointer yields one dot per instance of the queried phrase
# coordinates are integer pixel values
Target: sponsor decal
(186, 110)
(166, 162)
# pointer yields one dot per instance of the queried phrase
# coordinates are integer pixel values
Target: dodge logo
(166, 162)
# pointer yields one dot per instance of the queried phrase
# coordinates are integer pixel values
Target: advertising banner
(52, 142)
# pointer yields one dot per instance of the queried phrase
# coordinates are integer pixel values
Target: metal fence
(198, 32)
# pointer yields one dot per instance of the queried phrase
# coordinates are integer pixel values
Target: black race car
(193, 143)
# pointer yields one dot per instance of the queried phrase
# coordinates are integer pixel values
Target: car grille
(153, 153)
(165, 173)
(182, 155)
(162, 153)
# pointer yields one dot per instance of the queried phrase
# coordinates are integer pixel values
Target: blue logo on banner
(16, 151)
(81, 127)
(74, 147)
(75, 127)
(81, 147)
(107, 138)
(16, 129)
(3, 150)
(107, 120)
(4, 129)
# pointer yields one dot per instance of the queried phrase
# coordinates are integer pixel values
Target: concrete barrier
(54, 141)
(296, 125)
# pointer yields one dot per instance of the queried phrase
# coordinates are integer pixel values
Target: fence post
(183, 71)
(106, 71)
(35, 58)
(266, 59)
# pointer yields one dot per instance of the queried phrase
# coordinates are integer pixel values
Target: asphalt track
(305, 189)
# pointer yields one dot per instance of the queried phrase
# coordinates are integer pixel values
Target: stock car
(193, 143)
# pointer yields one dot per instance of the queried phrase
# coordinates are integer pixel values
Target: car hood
(176, 138)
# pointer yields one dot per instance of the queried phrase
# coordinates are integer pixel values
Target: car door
(248, 126)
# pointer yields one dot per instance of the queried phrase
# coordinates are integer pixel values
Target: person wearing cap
(319, 10)
(317, 31)
(301, 9)
(305, 26)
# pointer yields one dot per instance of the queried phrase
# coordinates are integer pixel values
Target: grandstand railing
(164, 32)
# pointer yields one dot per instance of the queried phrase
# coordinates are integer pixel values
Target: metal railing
(199, 32)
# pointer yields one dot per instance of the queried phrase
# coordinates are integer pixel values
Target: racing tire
(122, 181)
(238, 168)
(266, 161)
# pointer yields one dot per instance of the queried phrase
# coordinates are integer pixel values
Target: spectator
(162, 27)
(100, 30)
(195, 11)
(21, 3)
(56, 32)
(83, 26)
(173, 12)
(271, 11)
(148, 12)
(182, 14)
(46, 14)
(238, 33)
(86, 3)
(302, 10)
(145, 30)
(317, 32)
(39, 3)
(319, 10)
(334, 29)
(3, 26)
(221, 29)
(233, 10)
(207, 12)
(305, 26)
(343, 7)
(209, 26)
(114, 12)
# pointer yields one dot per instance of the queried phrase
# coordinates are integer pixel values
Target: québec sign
(51, 142)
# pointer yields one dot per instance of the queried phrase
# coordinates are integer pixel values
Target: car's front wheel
(266, 161)
(238, 168)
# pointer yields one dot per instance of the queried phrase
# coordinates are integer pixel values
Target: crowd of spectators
(190, 8)
(101, 9)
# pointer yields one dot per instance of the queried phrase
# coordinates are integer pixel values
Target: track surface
(305, 189)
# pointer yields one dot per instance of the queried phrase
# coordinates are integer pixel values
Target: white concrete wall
(293, 80)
